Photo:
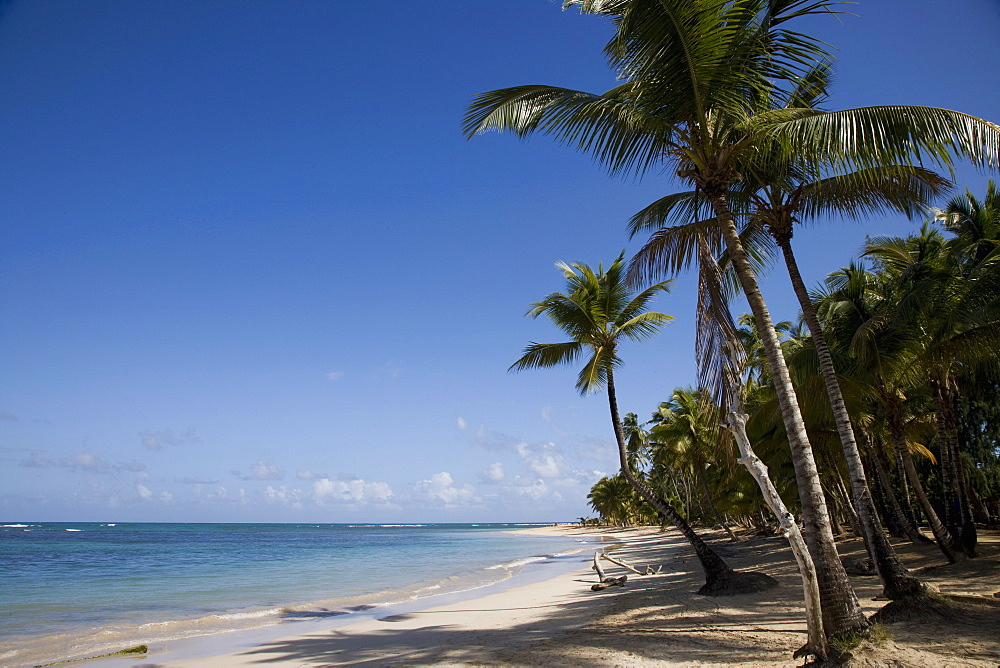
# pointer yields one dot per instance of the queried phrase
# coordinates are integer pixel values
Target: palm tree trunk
(958, 500)
(711, 505)
(807, 569)
(941, 535)
(896, 579)
(841, 610)
(715, 568)
(899, 518)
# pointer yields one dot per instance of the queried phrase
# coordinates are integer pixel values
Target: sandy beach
(655, 619)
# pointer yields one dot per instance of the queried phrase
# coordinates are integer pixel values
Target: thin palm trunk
(716, 570)
(711, 505)
(958, 500)
(898, 517)
(896, 579)
(941, 534)
(841, 610)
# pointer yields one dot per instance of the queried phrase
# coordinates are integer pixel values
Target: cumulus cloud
(462, 424)
(440, 488)
(532, 488)
(334, 375)
(262, 471)
(166, 438)
(544, 460)
(308, 475)
(493, 473)
(284, 496)
(144, 492)
(355, 492)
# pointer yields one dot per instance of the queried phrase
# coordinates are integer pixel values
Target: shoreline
(537, 590)
(534, 569)
(655, 620)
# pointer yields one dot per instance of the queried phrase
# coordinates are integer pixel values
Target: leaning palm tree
(598, 312)
(774, 195)
(696, 73)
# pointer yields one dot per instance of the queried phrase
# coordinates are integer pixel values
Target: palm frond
(543, 355)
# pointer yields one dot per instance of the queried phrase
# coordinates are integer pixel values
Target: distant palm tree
(598, 312)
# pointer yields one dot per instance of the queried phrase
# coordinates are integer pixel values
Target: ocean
(81, 589)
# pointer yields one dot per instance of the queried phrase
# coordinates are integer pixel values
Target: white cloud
(262, 471)
(166, 497)
(493, 473)
(355, 492)
(284, 496)
(544, 460)
(144, 492)
(334, 375)
(462, 424)
(308, 475)
(530, 488)
(440, 488)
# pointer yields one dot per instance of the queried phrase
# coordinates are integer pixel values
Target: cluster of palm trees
(726, 97)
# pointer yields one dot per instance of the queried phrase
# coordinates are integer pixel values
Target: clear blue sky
(250, 270)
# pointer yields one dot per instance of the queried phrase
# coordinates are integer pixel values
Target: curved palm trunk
(896, 579)
(810, 585)
(716, 570)
(841, 610)
(941, 534)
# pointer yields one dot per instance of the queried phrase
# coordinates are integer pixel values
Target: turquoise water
(74, 589)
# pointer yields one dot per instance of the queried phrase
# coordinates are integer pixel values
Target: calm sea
(80, 589)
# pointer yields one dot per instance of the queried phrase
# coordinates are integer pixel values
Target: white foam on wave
(256, 614)
(14, 526)
(390, 526)
(74, 529)
(517, 562)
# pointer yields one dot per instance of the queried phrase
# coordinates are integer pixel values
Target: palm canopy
(598, 310)
(707, 83)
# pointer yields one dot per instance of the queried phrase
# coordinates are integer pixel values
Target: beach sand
(655, 619)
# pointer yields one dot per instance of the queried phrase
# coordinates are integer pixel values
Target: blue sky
(250, 269)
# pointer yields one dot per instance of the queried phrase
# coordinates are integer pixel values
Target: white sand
(653, 620)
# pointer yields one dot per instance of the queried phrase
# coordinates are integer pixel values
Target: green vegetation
(878, 412)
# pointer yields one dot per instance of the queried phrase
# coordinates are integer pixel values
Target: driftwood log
(606, 581)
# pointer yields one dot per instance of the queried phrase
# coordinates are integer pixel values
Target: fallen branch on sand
(606, 581)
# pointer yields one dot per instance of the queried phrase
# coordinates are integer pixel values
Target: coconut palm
(688, 436)
(598, 312)
(859, 309)
(696, 73)
(955, 306)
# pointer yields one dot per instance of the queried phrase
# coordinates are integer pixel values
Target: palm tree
(598, 312)
(688, 436)
(696, 72)
(775, 194)
(955, 306)
(859, 309)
